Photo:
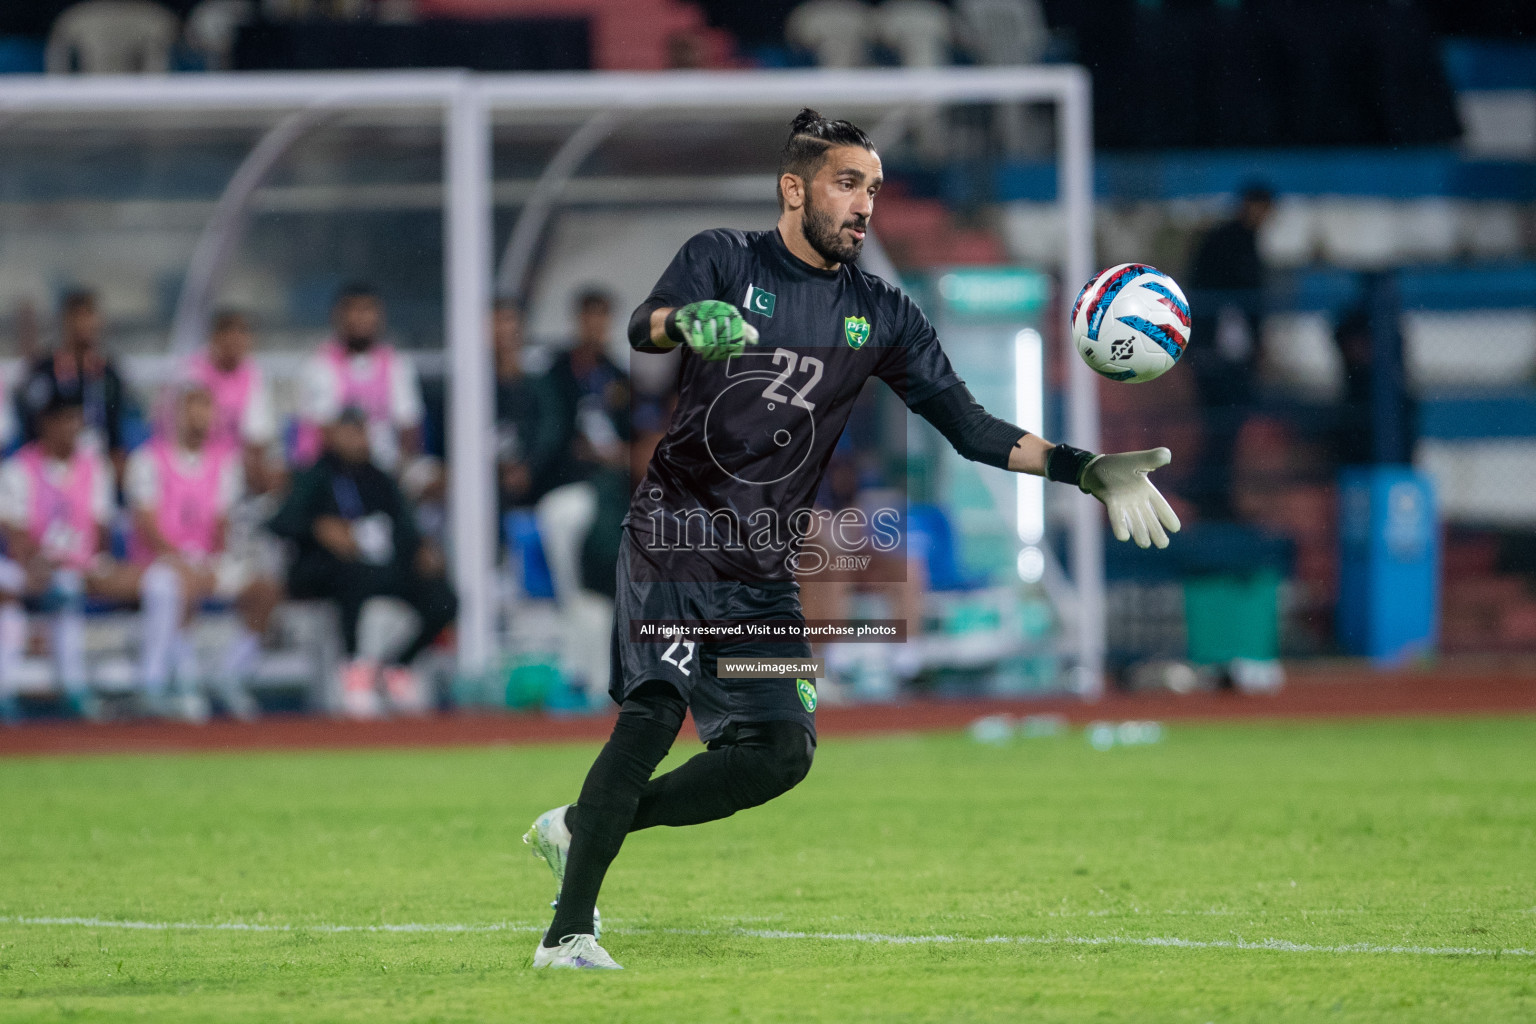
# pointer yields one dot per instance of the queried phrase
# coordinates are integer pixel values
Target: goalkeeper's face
(839, 201)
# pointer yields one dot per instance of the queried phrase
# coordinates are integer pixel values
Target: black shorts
(690, 667)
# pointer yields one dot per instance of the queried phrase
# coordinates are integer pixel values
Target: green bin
(1232, 616)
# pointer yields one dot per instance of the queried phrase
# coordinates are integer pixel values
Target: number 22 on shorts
(681, 666)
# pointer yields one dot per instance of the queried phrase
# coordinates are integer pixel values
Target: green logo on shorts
(807, 693)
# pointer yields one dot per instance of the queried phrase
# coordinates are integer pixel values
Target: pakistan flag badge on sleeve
(856, 330)
(759, 301)
(807, 691)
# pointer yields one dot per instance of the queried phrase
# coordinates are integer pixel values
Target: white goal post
(468, 105)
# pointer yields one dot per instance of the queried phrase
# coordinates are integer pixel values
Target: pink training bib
(369, 390)
(187, 512)
(231, 394)
(61, 520)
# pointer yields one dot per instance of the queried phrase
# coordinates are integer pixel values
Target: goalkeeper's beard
(827, 238)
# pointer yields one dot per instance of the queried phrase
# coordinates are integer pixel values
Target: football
(1131, 323)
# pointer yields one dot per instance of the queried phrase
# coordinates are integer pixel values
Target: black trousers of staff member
(350, 584)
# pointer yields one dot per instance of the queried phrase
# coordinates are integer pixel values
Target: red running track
(1310, 694)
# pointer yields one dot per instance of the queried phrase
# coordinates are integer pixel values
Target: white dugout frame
(467, 102)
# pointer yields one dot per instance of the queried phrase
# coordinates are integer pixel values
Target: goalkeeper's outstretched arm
(1137, 511)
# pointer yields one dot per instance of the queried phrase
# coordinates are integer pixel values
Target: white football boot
(575, 951)
(551, 842)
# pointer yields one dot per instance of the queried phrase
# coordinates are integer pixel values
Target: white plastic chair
(836, 31)
(1002, 31)
(920, 31)
(104, 37)
(1007, 33)
(211, 28)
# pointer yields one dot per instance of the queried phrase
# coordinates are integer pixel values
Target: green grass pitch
(1228, 870)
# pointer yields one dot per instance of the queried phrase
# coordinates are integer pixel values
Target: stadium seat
(520, 530)
(931, 540)
(211, 28)
(1299, 353)
(1007, 33)
(1003, 32)
(1492, 230)
(1358, 232)
(1469, 347)
(1035, 233)
(836, 31)
(1289, 238)
(1473, 478)
(919, 31)
(1428, 230)
(1126, 233)
(1498, 124)
(101, 37)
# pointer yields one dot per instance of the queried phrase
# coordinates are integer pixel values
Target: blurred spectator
(530, 438)
(355, 368)
(180, 487)
(579, 522)
(55, 504)
(593, 393)
(355, 539)
(1226, 291)
(243, 418)
(79, 371)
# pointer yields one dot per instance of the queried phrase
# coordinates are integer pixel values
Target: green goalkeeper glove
(1136, 509)
(714, 330)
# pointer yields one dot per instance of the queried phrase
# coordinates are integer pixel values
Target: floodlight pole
(467, 286)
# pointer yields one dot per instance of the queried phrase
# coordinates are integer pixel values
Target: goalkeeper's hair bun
(810, 123)
(806, 121)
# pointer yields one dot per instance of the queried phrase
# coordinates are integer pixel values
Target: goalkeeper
(781, 330)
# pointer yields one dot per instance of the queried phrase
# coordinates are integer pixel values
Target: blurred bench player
(180, 487)
(243, 415)
(55, 506)
(357, 368)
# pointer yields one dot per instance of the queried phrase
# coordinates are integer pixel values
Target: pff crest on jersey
(856, 330)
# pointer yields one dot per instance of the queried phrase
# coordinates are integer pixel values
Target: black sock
(762, 761)
(648, 723)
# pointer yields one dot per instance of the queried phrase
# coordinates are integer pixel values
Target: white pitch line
(1279, 945)
(243, 926)
(875, 938)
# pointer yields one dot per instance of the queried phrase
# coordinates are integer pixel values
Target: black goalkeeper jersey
(730, 489)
